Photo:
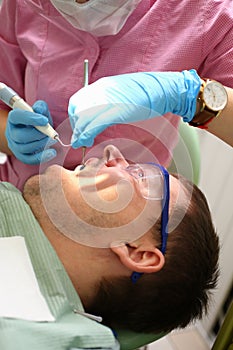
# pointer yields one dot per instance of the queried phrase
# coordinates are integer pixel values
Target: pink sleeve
(12, 61)
(218, 44)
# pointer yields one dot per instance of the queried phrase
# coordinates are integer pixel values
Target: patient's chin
(31, 187)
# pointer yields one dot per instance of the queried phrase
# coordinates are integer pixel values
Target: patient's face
(97, 204)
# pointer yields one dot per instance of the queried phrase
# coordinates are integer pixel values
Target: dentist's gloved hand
(130, 98)
(24, 140)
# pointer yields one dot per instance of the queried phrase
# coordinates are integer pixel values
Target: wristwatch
(211, 99)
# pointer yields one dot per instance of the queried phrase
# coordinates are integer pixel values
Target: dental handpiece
(11, 98)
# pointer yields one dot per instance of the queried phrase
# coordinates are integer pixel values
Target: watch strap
(203, 118)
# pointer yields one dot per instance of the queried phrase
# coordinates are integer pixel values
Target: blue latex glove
(129, 98)
(24, 140)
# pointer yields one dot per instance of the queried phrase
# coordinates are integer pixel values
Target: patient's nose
(113, 157)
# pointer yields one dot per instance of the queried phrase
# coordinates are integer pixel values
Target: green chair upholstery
(186, 155)
(132, 340)
(224, 339)
(186, 161)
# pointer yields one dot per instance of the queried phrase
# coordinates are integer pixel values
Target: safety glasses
(149, 180)
(153, 183)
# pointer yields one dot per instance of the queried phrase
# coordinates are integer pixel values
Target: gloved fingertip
(75, 144)
(40, 106)
(47, 155)
(51, 142)
(81, 142)
(75, 141)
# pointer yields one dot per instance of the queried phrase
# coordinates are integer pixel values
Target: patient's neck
(86, 266)
(78, 262)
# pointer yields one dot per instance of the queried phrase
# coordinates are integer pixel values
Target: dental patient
(137, 243)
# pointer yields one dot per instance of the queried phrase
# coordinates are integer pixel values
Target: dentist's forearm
(3, 141)
(222, 126)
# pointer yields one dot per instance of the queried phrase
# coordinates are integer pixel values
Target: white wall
(216, 182)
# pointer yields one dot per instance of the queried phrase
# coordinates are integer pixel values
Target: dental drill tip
(83, 155)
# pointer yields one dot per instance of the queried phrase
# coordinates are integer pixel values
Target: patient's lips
(79, 168)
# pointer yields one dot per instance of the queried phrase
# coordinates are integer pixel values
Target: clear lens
(149, 179)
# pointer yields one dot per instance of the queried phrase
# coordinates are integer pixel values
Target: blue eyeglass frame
(164, 217)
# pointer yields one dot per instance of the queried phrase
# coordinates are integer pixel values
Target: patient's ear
(139, 257)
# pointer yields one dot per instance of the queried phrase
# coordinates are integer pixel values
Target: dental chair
(57, 288)
(186, 155)
(186, 161)
(224, 339)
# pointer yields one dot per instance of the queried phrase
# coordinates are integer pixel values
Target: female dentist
(43, 44)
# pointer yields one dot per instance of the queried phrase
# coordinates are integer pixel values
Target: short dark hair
(177, 294)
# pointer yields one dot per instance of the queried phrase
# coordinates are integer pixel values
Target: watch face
(215, 96)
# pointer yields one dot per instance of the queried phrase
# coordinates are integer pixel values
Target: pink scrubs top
(41, 61)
